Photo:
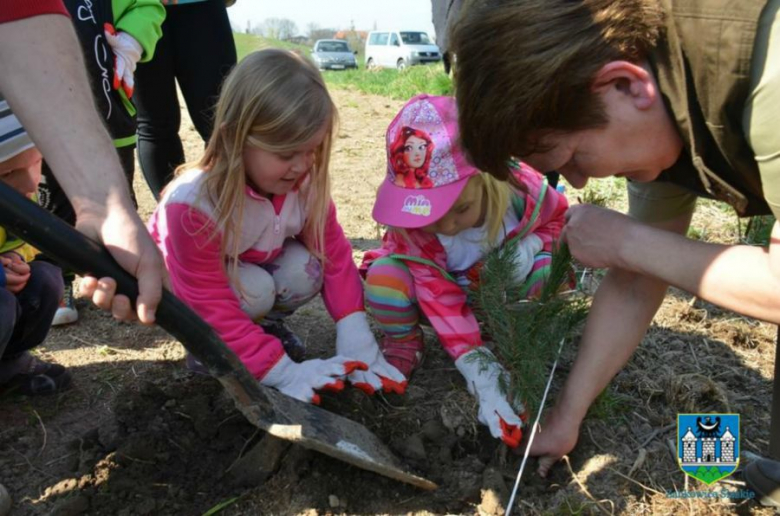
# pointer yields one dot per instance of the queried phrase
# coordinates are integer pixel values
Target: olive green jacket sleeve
(143, 20)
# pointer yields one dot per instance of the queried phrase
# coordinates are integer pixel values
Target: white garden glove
(301, 381)
(482, 375)
(355, 339)
(525, 253)
(127, 52)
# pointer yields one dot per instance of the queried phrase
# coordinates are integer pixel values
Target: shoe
(37, 377)
(763, 478)
(406, 356)
(292, 344)
(66, 313)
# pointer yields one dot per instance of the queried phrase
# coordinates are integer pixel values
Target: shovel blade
(320, 430)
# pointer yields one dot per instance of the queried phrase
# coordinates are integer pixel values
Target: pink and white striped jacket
(444, 302)
(183, 226)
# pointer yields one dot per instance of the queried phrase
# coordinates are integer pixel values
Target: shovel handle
(83, 255)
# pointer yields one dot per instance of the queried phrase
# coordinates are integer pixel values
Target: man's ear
(628, 78)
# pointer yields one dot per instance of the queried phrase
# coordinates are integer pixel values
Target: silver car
(333, 54)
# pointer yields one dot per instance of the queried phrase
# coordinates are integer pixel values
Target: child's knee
(389, 274)
(257, 292)
(44, 289)
(297, 273)
(48, 279)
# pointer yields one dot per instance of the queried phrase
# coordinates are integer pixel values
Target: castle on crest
(709, 447)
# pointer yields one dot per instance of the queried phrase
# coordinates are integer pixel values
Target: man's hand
(301, 381)
(84, 161)
(126, 238)
(595, 235)
(17, 272)
(355, 339)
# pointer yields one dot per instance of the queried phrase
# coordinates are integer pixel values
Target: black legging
(197, 50)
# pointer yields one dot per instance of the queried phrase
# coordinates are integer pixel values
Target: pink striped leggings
(391, 298)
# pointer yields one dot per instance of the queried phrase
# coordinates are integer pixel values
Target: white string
(533, 431)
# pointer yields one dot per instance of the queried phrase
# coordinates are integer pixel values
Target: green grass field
(390, 83)
(246, 43)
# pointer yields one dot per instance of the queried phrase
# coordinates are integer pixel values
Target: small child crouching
(444, 216)
(30, 290)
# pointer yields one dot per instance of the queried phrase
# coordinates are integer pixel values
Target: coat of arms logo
(708, 445)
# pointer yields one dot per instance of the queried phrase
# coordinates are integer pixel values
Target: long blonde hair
(274, 100)
(498, 195)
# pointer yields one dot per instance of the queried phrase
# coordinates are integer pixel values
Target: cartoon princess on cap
(411, 156)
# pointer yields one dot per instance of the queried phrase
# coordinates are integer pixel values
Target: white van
(399, 49)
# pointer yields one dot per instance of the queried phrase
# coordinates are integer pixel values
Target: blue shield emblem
(708, 445)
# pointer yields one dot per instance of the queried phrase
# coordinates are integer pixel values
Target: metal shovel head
(270, 410)
(323, 431)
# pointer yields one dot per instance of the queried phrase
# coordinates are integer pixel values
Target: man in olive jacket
(681, 98)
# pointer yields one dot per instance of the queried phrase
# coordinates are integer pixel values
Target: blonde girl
(439, 236)
(249, 231)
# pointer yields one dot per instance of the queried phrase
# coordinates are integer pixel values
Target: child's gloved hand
(482, 375)
(525, 254)
(17, 271)
(127, 53)
(355, 339)
(300, 381)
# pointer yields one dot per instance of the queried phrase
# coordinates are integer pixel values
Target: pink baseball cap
(426, 170)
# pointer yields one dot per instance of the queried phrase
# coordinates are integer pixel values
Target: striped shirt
(13, 138)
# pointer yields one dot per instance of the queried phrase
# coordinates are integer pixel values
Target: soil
(137, 434)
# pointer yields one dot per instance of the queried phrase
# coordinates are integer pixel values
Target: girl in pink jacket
(442, 223)
(249, 232)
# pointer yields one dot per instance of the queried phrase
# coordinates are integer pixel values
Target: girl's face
(270, 173)
(467, 212)
(414, 151)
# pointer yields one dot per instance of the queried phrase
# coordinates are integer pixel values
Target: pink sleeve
(342, 291)
(196, 267)
(444, 304)
(551, 218)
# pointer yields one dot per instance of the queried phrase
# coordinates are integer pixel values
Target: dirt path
(137, 434)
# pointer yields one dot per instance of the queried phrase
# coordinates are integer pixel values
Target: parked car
(399, 49)
(333, 54)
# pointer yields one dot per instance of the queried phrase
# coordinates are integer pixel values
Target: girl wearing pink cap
(441, 225)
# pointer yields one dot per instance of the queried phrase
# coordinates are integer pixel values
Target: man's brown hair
(526, 67)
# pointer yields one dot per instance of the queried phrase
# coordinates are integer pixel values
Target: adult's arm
(45, 83)
(622, 310)
(741, 278)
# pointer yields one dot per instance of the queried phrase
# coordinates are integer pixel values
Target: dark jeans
(198, 51)
(25, 318)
